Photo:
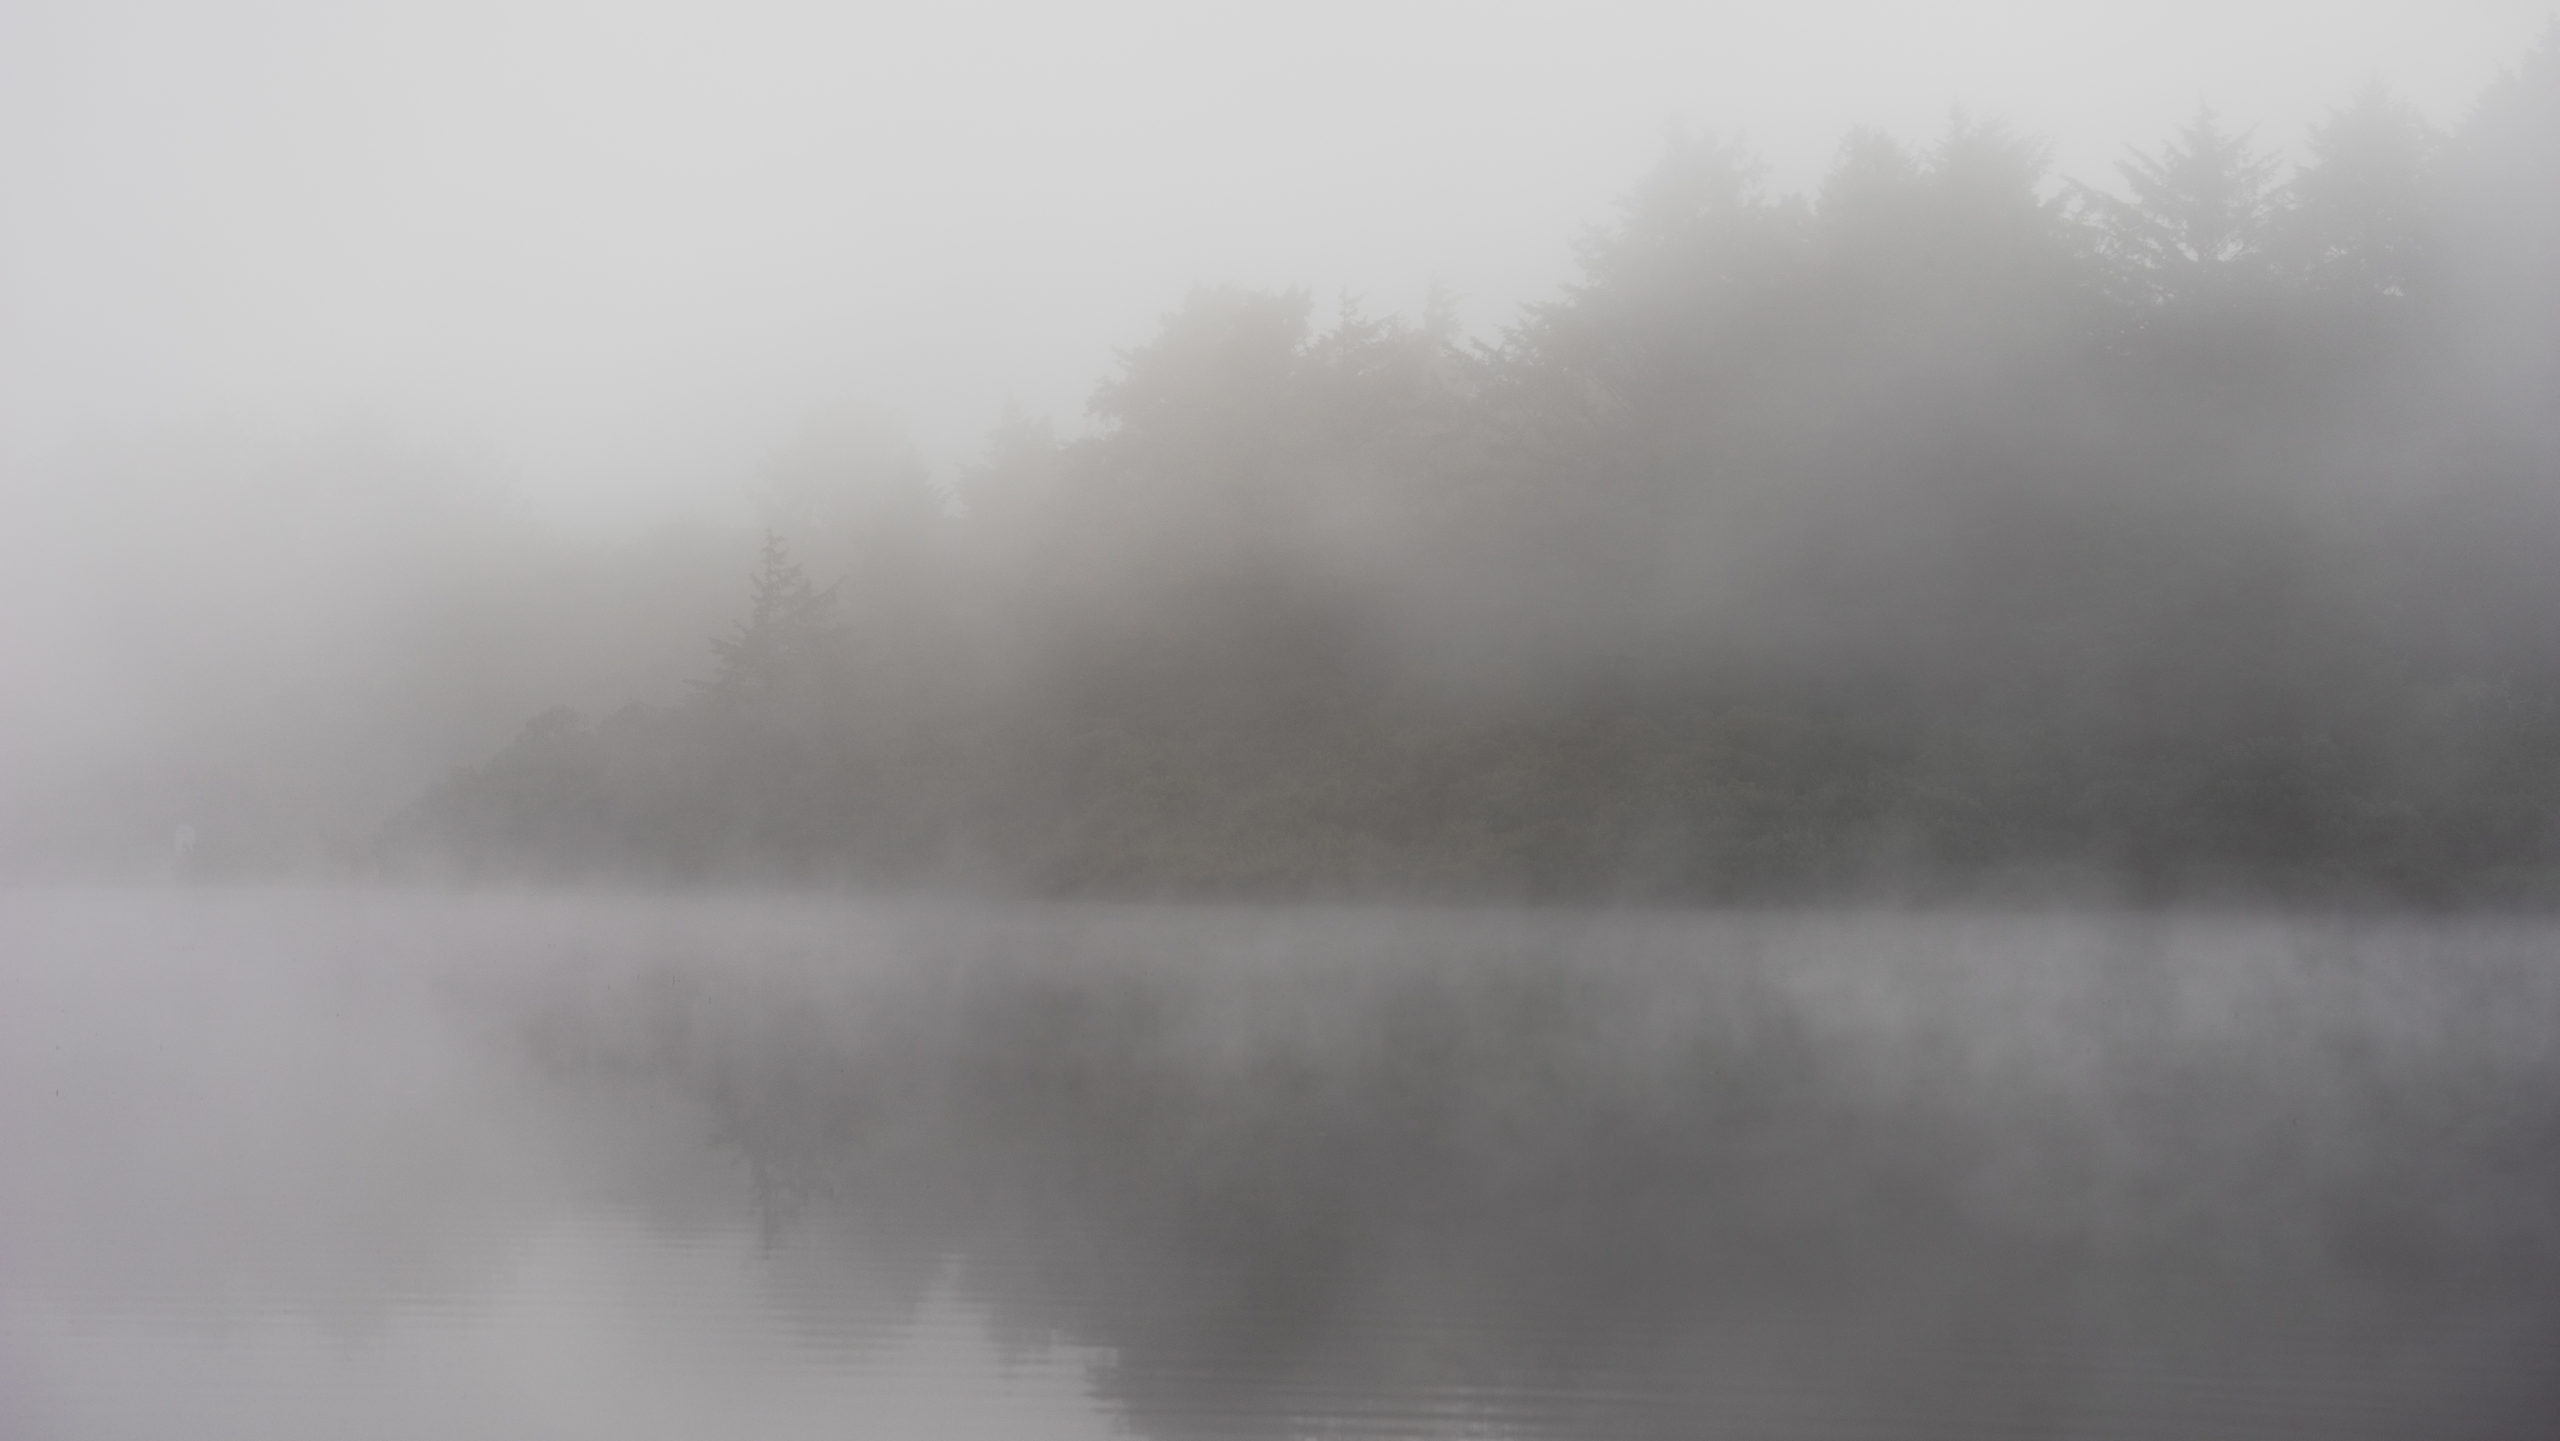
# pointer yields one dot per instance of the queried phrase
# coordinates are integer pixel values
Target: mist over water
(1608, 721)
(285, 1164)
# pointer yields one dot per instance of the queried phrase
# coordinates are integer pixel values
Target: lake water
(287, 1165)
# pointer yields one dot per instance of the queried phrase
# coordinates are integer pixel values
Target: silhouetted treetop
(2363, 216)
(786, 637)
(2194, 228)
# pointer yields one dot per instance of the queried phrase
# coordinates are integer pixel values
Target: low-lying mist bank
(1291, 1170)
(1657, 1175)
(1949, 532)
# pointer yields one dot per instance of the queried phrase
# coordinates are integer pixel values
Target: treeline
(1948, 530)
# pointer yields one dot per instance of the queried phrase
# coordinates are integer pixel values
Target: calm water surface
(302, 1165)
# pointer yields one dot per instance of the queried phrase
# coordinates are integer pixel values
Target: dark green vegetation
(1946, 532)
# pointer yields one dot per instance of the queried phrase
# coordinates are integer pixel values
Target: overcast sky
(620, 247)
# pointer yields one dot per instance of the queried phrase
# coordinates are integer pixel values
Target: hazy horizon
(615, 257)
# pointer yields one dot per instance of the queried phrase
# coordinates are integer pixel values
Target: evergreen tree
(2195, 226)
(2359, 218)
(786, 636)
(2503, 183)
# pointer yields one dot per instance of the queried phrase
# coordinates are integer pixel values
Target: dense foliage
(1950, 529)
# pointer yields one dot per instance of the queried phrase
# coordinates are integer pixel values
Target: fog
(291, 1164)
(1391, 720)
(621, 252)
(377, 384)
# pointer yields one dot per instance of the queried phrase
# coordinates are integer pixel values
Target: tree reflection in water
(1386, 1172)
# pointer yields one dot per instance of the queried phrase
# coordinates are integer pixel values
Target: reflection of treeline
(1947, 528)
(1939, 1177)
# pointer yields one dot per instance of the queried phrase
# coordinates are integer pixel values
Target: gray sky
(622, 247)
